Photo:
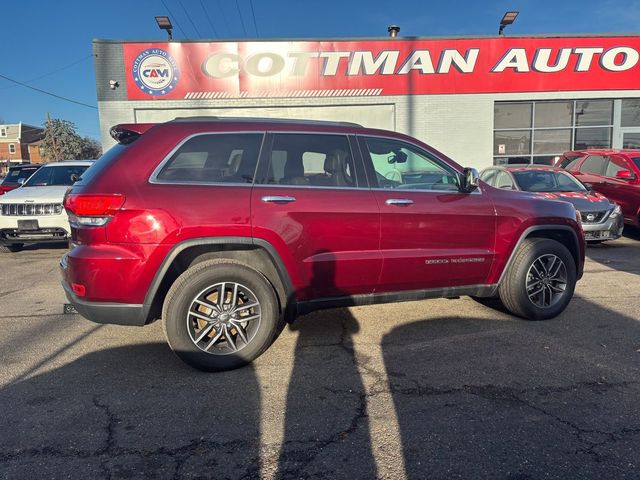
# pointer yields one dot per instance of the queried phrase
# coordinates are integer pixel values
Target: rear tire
(11, 248)
(540, 281)
(205, 319)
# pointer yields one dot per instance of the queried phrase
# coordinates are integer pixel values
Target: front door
(307, 203)
(432, 235)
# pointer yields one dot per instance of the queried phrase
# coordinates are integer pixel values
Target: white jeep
(34, 212)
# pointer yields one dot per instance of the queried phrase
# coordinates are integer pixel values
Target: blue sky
(52, 40)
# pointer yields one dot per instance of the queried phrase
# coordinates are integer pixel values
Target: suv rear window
(593, 164)
(59, 175)
(214, 158)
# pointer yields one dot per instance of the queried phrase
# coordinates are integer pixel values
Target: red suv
(613, 173)
(228, 228)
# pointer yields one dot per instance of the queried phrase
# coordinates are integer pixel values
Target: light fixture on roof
(507, 19)
(393, 30)
(164, 23)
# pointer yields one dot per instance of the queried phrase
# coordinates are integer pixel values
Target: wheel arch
(256, 253)
(563, 234)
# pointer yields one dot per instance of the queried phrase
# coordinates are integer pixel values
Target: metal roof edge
(361, 39)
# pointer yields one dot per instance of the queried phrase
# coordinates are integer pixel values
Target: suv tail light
(92, 210)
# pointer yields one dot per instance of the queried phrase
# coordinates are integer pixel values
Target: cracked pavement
(431, 389)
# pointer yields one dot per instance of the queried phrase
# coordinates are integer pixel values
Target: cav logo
(155, 72)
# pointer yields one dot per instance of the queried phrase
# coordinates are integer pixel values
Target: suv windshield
(60, 175)
(547, 181)
(16, 174)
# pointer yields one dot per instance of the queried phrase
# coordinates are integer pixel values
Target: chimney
(393, 30)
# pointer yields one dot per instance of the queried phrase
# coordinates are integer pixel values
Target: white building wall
(461, 126)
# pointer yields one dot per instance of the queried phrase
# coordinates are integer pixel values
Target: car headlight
(617, 211)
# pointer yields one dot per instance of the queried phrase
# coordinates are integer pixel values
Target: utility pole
(53, 139)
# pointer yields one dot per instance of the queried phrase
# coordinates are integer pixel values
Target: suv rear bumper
(112, 313)
(103, 312)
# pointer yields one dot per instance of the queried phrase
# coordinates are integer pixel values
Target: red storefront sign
(379, 67)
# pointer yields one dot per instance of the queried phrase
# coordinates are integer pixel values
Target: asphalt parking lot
(433, 389)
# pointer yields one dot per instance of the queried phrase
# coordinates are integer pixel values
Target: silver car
(601, 218)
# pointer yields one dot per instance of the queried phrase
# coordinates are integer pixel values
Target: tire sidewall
(195, 281)
(529, 309)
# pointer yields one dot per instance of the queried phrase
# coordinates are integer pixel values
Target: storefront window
(592, 138)
(552, 141)
(512, 142)
(594, 112)
(553, 114)
(512, 115)
(555, 127)
(630, 113)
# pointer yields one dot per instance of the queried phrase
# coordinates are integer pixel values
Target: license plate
(28, 225)
(597, 235)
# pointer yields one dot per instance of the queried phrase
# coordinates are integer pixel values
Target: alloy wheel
(546, 280)
(223, 318)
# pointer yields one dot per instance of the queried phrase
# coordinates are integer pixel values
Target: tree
(90, 149)
(61, 142)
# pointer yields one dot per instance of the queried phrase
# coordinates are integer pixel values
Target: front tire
(540, 281)
(220, 315)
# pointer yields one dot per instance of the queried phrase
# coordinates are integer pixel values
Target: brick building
(482, 101)
(19, 143)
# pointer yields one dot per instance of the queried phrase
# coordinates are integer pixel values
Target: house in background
(19, 143)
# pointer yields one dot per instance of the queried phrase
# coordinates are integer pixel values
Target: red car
(228, 228)
(17, 176)
(613, 173)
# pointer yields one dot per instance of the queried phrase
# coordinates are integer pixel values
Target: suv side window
(593, 164)
(615, 164)
(314, 160)
(504, 180)
(214, 158)
(403, 166)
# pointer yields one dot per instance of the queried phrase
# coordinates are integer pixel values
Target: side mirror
(625, 174)
(470, 180)
(21, 181)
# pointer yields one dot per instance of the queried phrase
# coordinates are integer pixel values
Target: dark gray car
(601, 218)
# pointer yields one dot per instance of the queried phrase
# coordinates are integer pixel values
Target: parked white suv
(34, 212)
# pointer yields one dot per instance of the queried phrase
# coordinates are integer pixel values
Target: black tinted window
(16, 174)
(214, 158)
(311, 160)
(593, 164)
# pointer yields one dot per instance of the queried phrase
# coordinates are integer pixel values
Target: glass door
(631, 138)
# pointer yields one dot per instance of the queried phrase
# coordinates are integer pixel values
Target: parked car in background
(613, 173)
(601, 218)
(34, 213)
(228, 228)
(16, 176)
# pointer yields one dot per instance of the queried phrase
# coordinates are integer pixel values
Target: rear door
(432, 236)
(312, 204)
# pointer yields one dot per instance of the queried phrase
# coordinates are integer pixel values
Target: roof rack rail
(266, 120)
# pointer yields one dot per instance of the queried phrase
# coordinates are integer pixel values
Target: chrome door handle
(278, 199)
(398, 201)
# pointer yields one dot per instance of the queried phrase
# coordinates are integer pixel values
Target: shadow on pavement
(621, 254)
(514, 399)
(131, 412)
(326, 434)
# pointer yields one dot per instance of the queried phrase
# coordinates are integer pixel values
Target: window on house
(3, 132)
(12, 148)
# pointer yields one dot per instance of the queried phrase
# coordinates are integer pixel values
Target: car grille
(593, 217)
(29, 209)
